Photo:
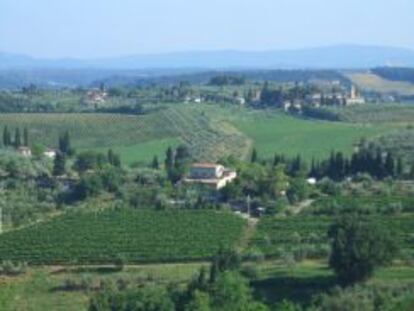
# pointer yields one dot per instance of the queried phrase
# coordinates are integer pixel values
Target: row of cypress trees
(19, 139)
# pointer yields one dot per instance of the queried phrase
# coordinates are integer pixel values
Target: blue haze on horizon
(103, 28)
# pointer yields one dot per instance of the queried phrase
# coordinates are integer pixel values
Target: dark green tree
(358, 246)
(6, 137)
(199, 301)
(389, 165)
(400, 167)
(26, 137)
(155, 164)
(17, 138)
(59, 164)
(298, 190)
(111, 157)
(65, 144)
(253, 158)
(89, 186)
(169, 159)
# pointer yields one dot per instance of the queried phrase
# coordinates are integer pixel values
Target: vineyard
(137, 236)
(208, 137)
(308, 234)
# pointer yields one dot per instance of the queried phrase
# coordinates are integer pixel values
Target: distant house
(354, 98)
(50, 153)
(95, 96)
(240, 100)
(25, 151)
(210, 174)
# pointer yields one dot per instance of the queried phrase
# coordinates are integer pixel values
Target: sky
(108, 28)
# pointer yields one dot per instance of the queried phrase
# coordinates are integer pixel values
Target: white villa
(210, 174)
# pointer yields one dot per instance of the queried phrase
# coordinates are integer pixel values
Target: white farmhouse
(210, 174)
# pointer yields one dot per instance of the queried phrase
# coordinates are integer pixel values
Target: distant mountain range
(333, 57)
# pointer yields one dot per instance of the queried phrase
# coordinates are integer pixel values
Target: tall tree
(6, 137)
(155, 164)
(17, 138)
(389, 165)
(253, 158)
(400, 167)
(358, 247)
(111, 157)
(65, 144)
(59, 164)
(169, 159)
(26, 137)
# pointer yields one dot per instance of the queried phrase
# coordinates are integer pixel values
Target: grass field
(135, 235)
(40, 289)
(278, 133)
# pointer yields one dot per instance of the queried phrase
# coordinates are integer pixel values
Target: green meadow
(279, 133)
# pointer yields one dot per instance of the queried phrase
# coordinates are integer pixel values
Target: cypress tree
(116, 160)
(59, 164)
(155, 164)
(26, 137)
(6, 136)
(65, 145)
(400, 167)
(389, 165)
(169, 159)
(254, 156)
(110, 157)
(276, 160)
(17, 138)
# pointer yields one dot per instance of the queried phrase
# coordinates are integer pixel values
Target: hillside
(371, 82)
(339, 56)
(210, 131)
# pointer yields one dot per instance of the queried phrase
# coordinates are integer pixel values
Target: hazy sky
(99, 28)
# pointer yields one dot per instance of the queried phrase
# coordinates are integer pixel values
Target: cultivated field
(275, 236)
(135, 235)
(373, 82)
(212, 132)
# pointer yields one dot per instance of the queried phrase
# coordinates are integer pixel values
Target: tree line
(18, 139)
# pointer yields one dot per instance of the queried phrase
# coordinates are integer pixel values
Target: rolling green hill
(212, 132)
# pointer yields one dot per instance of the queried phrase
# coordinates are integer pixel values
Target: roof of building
(205, 165)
